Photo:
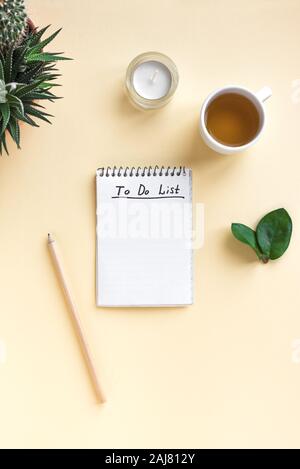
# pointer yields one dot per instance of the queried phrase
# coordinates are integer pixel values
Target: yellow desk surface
(221, 373)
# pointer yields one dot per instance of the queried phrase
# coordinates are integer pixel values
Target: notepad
(144, 237)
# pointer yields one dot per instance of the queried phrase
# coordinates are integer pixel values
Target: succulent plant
(13, 23)
(3, 92)
(27, 75)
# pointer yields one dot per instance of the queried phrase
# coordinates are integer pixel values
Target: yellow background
(220, 373)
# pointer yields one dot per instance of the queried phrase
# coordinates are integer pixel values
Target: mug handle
(264, 93)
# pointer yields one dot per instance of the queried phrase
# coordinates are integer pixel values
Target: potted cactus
(27, 71)
(13, 22)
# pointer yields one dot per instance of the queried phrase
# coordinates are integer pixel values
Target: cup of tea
(233, 118)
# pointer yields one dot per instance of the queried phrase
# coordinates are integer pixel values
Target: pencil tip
(50, 239)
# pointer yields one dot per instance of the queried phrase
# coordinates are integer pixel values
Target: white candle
(151, 80)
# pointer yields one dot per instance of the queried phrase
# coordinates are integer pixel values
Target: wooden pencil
(75, 318)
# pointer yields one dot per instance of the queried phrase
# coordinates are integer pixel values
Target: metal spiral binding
(141, 171)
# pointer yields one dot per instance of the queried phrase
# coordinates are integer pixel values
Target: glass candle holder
(151, 80)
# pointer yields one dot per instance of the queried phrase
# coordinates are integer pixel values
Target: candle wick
(154, 76)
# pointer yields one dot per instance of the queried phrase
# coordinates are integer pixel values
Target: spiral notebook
(144, 236)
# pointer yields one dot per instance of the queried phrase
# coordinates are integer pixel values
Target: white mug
(256, 98)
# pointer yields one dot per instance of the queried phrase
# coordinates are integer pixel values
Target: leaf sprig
(272, 236)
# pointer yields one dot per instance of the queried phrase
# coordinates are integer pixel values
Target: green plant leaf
(8, 65)
(247, 236)
(40, 45)
(32, 72)
(3, 144)
(39, 114)
(26, 89)
(39, 95)
(14, 130)
(15, 102)
(3, 92)
(19, 57)
(47, 85)
(5, 112)
(274, 233)
(24, 118)
(2, 77)
(46, 57)
(1, 57)
(35, 37)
